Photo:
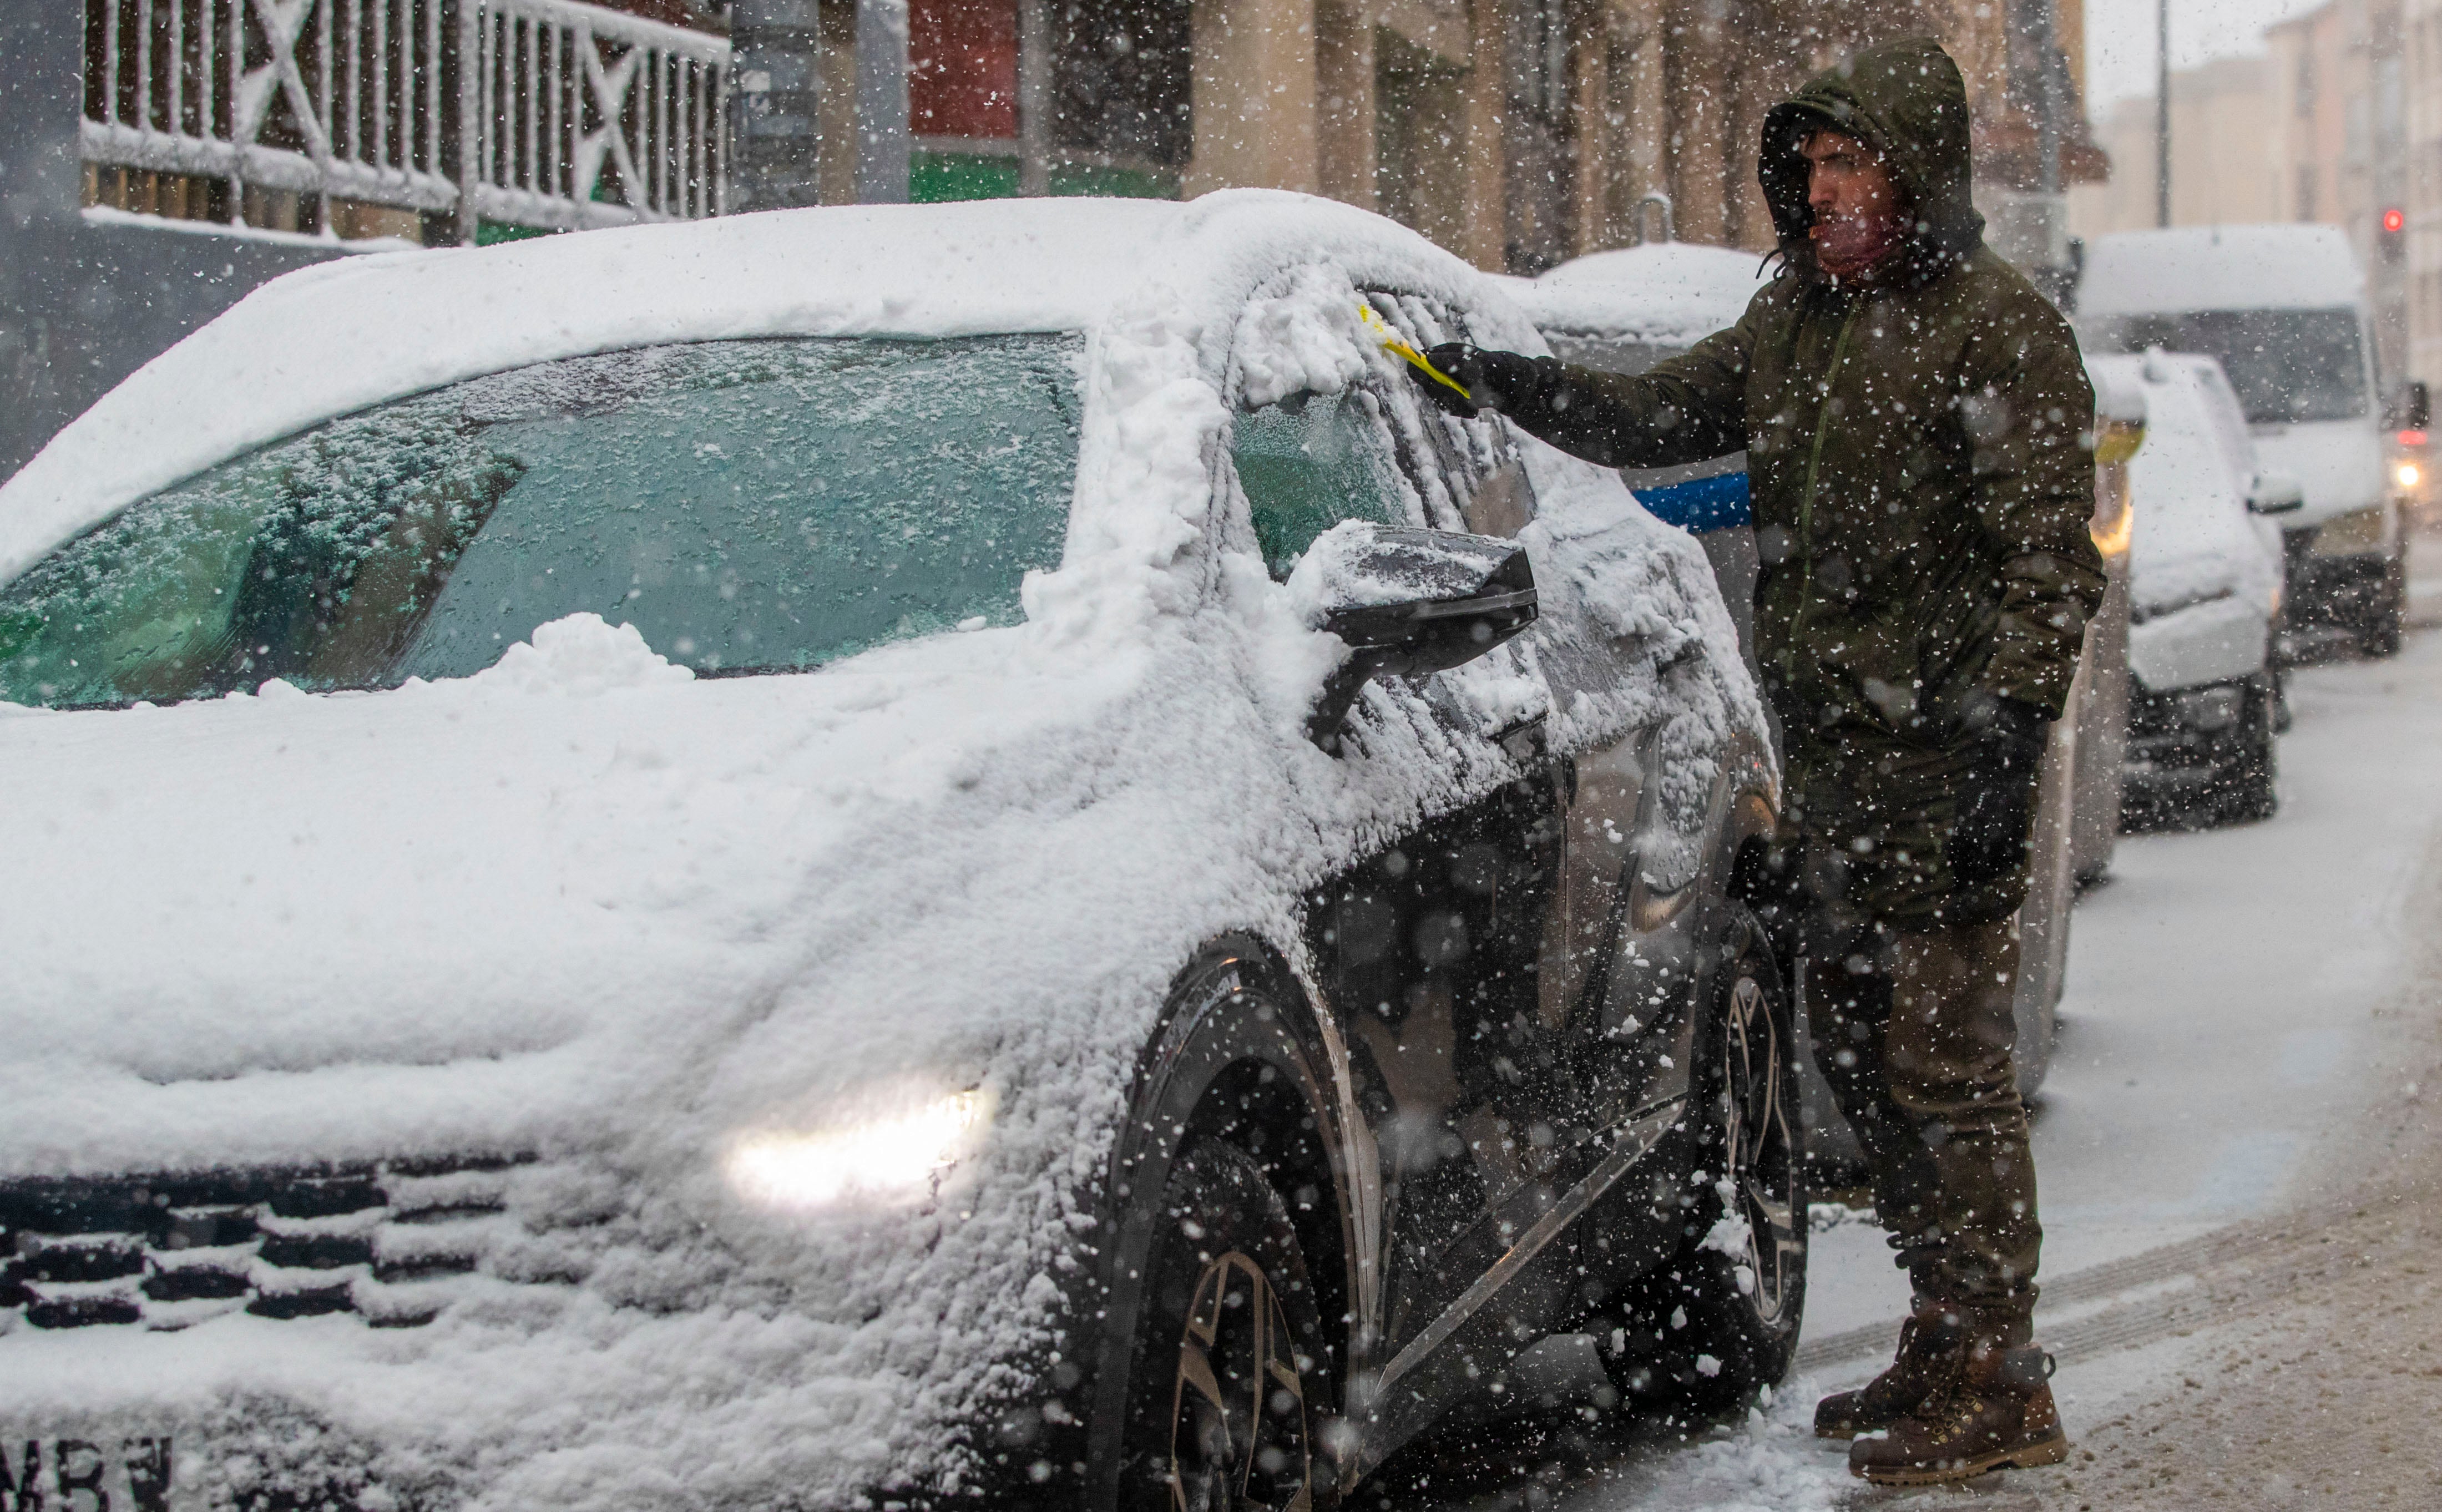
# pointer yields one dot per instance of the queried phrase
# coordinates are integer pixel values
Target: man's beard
(1849, 245)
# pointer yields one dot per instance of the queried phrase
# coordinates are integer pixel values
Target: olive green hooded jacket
(1919, 467)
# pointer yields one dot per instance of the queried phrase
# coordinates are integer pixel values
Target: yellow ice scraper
(1389, 340)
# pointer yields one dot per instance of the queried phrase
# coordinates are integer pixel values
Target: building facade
(2222, 154)
(2338, 103)
(1517, 133)
(164, 156)
(2421, 47)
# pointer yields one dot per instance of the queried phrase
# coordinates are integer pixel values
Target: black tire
(1739, 1331)
(2248, 790)
(2380, 636)
(1231, 1424)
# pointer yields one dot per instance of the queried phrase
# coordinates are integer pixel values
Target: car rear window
(747, 505)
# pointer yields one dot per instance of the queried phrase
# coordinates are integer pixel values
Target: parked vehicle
(865, 854)
(2284, 308)
(2205, 592)
(1624, 311)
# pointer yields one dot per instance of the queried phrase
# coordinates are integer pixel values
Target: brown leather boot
(1998, 1412)
(1932, 1343)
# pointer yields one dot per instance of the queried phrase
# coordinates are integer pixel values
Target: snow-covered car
(871, 853)
(1622, 311)
(2205, 593)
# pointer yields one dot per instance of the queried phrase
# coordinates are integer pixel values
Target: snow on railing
(585, 117)
(539, 113)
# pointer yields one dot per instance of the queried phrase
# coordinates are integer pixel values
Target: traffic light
(2395, 233)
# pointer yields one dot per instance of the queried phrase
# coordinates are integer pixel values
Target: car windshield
(749, 506)
(2289, 366)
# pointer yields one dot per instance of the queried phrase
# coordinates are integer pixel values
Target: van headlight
(893, 1157)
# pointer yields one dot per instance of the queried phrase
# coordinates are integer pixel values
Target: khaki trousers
(1913, 1030)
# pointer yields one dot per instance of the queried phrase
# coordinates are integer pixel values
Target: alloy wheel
(1760, 1146)
(1239, 1429)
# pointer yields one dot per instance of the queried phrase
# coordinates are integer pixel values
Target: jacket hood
(1908, 101)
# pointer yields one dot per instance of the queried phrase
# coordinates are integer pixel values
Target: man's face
(1846, 179)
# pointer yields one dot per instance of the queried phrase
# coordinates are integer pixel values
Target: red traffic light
(2392, 220)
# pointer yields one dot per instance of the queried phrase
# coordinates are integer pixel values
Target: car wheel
(1725, 1309)
(1226, 1417)
(1232, 1146)
(2381, 634)
(2249, 789)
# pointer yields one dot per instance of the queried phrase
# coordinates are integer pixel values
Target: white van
(2285, 309)
(2204, 591)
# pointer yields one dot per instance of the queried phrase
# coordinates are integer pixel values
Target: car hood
(470, 917)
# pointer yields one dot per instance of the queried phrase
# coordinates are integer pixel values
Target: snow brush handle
(1391, 341)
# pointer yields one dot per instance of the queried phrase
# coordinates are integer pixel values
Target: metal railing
(535, 113)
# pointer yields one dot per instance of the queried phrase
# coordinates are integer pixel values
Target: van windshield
(2290, 366)
(749, 506)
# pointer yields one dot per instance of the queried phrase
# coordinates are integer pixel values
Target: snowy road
(2234, 1159)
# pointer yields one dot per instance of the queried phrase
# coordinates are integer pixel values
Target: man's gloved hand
(1494, 380)
(1997, 810)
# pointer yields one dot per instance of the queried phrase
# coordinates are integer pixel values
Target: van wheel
(2381, 635)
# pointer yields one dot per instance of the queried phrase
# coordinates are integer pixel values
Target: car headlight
(887, 1159)
(2408, 475)
(2354, 534)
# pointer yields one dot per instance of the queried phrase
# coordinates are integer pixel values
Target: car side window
(1471, 471)
(1310, 462)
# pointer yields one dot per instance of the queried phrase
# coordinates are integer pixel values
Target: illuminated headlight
(2354, 534)
(883, 1159)
(2211, 709)
(2408, 475)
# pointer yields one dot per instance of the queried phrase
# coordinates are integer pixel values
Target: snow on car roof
(338, 337)
(1674, 292)
(2219, 267)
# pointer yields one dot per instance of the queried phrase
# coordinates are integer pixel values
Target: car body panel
(608, 925)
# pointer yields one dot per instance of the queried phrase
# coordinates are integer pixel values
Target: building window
(2307, 191)
(2306, 77)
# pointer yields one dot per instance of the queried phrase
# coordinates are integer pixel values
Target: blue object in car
(1700, 505)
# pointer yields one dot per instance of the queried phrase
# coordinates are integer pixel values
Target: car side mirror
(2275, 493)
(1407, 602)
(2412, 406)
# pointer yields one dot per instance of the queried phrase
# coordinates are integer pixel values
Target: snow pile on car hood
(583, 908)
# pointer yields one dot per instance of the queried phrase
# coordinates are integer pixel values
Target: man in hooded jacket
(1915, 416)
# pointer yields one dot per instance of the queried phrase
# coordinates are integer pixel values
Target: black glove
(1498, 381)
(1996, 809)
